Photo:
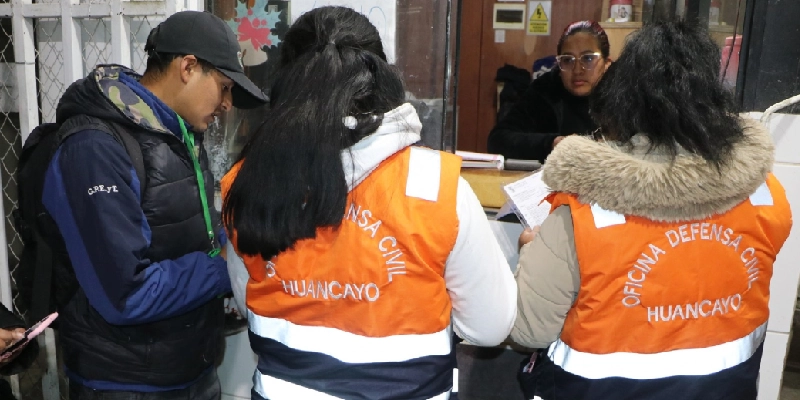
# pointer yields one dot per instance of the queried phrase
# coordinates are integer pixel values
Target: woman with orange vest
(650, 278)
(363, 252)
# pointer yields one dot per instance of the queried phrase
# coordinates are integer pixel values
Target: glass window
(725, 22)
(415, 34)
(725, 19)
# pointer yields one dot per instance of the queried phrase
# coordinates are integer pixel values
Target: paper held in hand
(526, 199)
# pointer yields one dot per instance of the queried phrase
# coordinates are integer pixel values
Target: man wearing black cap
(131, 194)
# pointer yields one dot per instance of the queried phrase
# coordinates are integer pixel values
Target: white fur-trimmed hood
(634, 181)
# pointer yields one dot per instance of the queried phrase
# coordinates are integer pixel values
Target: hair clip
(350, 122)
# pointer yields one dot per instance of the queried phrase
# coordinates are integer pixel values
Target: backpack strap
(135, 153)
(45, 261)
(42, 280)
(119, 133)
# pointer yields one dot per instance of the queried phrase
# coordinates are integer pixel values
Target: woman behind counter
(556, 104)
(650, 279)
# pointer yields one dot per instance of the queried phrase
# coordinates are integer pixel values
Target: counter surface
(488, 184)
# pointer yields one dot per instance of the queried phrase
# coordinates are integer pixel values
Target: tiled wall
(236, 371)
(785, 131)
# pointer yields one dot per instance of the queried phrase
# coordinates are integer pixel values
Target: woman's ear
(607, 64)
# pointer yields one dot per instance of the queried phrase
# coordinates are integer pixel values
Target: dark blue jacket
(148, 315)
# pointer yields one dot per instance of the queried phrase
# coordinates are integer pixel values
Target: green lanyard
(189, 140)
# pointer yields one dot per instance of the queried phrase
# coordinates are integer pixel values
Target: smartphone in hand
(29, 335)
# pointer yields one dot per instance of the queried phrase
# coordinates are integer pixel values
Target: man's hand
(528, 235)
(8, 336)
(558, 139)
(224, 252)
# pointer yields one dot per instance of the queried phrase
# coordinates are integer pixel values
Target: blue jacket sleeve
(92, 192)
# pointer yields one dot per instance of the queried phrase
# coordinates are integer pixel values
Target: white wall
(236, 371)
(785, 131)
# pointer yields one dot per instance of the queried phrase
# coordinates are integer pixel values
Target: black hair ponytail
(291, 180)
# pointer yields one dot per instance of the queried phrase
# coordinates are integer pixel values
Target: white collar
(400, 128)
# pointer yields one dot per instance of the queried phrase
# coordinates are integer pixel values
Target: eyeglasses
(587, 61)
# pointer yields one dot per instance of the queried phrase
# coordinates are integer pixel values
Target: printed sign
(539, 17)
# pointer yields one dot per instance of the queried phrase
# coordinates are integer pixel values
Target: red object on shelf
(730, 57)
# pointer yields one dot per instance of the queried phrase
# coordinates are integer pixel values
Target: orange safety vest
(660, 299)
(373, 290)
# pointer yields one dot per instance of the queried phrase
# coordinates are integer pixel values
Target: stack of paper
(481, 160)
(526, 198)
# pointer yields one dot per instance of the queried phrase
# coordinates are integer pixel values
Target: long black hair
(666, 85)
(291, 180)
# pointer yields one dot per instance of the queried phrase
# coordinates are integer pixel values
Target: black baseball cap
(207, 37)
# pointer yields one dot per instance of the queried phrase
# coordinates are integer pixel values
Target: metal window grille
(44, 46)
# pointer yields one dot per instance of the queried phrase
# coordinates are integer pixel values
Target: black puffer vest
(176, 350)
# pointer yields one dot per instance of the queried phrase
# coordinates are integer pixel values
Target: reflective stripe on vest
(702, 361)
(424, 168)
(277, 389)
(762, 196)
(349, 347)
(604, 218)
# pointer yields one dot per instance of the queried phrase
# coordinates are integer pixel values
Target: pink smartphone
(29, 334)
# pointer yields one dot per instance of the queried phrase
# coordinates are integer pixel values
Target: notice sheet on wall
(382, 14)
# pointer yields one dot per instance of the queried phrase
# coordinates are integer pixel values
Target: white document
(499, 35)
(481, 160)
(471, 156)
(382, 14)
(527, 199)
(507, 235)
